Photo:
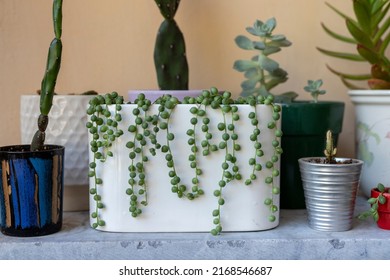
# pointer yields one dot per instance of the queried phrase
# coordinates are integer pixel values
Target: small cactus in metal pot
(170, 53)
(50, 78)
(330, 149)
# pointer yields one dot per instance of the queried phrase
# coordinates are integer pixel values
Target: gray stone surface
(292, 239)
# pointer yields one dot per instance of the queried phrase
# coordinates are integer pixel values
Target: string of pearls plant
(104, 129)
(144, 144)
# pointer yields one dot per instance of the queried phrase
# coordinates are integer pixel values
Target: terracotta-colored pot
(383, 209)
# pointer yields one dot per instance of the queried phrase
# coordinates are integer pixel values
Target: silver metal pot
(330, 193)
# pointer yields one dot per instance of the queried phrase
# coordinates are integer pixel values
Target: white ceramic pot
(153, 95)
(372, 110)
(244, 208)
(66, 127)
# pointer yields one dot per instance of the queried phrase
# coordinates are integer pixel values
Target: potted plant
(170, 58)
(207, 163)
(368, 31)
(380, 206)
(330, 187)
(303, 122)
(31, 185)
(66, 128)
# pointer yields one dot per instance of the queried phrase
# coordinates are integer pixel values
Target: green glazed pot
(304, 126)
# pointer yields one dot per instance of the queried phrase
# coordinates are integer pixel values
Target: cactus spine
(50, 77)
(169, 53)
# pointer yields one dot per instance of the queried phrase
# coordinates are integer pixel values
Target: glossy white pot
(372, 111)
(66, 127)
(244, 208)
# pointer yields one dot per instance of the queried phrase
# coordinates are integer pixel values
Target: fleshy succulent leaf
(338, 36)
(271, 24)
(371, 200)
(268, 64)
(355, 77)
(252, 73)
(381, 187)
(382, 199)
(259, 45)
(244, 65)
(343, 55)
(271, 50)
(244, 42)
(249, 84)
(368, 54)
(370, 31)
(363, 15)
(359, 35)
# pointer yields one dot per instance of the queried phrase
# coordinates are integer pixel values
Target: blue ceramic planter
(31, 190)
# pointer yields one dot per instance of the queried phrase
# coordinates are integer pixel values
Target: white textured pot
(152, 95)
(244, 208)
(372, 110)
(66, 127)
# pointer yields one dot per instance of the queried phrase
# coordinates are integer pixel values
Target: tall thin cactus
(170, 53)
(50, 77)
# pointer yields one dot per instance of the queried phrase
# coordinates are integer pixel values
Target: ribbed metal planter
(330, 193)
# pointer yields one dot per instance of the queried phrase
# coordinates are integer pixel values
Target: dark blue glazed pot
(31, 190)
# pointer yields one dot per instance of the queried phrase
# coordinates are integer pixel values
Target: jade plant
(262, 73)
(169, 52)
(50, 78)
(368, 32)
(374, 202)
(103, 125)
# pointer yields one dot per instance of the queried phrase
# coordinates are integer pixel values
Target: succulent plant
(314, 88)
(374, 202)
(50, 77)
(368, 30)
(330, 149)
(261, 72)
(170, 53)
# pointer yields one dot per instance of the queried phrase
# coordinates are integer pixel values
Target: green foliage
(103, 125)
(374, 202)
(169, 52)
(50, 77)
(261, 72)
(314, 88)
(368, 31)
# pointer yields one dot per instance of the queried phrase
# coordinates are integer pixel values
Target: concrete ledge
(292, 239)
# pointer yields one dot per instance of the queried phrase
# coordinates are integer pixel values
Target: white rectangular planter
(244, 208)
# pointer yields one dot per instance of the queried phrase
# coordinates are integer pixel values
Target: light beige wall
(108, 45)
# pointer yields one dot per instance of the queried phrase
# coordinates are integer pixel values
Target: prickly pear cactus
(169, 53)
(50, 77)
